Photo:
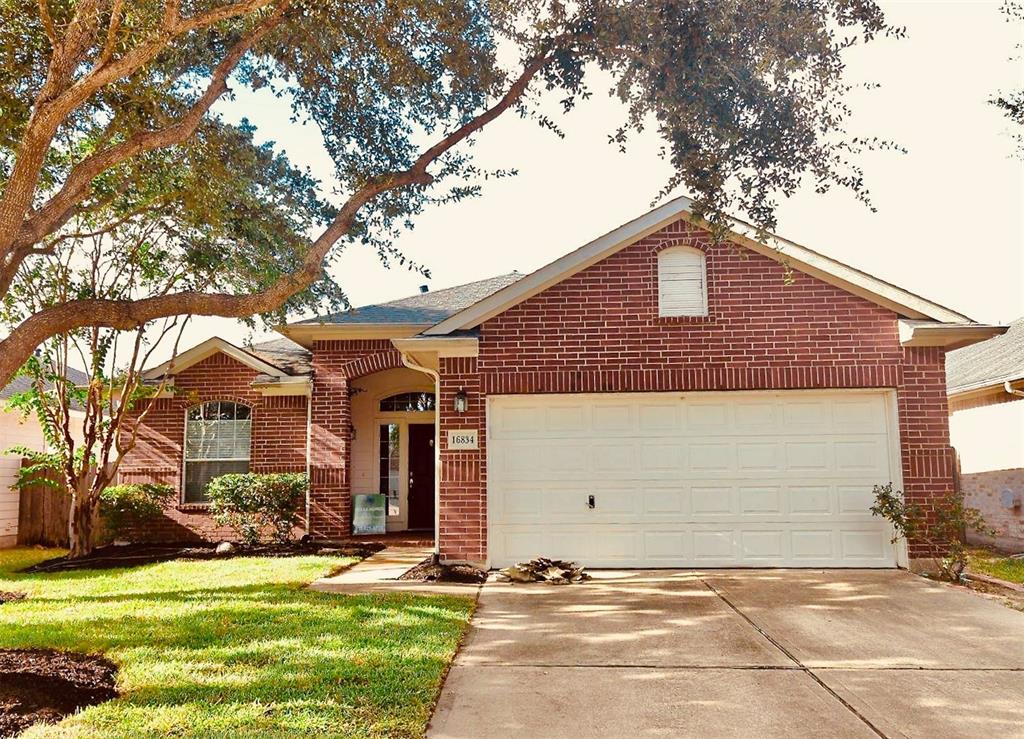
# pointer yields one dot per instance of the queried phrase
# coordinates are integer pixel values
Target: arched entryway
(393, 445)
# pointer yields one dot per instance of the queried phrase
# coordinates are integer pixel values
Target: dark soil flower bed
(142, 554)
(430, 571)
(44, 686)
(8, 596)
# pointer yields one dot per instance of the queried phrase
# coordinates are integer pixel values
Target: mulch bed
(133, 555)
(44, 686)
(430, 571)
(9, 596)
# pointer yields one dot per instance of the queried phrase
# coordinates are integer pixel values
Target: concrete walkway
(379, 573)
(765, 653)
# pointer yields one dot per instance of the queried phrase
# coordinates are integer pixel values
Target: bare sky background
(949, 223)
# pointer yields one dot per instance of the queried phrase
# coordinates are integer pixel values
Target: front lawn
(238, 647)
(997, 565)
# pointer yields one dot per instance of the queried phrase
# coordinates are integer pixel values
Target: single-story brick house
(650, 399)
(985, 384)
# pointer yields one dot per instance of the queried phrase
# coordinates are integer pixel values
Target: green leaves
(939, 527)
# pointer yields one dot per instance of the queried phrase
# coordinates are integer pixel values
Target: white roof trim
(207, 349)
(787, 252)
(445, 346)
(949, 335)
(305, 334)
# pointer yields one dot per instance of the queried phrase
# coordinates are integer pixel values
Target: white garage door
(754, 479)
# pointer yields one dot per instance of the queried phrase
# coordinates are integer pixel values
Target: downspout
(309, 449)
(1012, 390)
(408, 362)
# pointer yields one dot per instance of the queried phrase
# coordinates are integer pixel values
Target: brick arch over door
(372, 363)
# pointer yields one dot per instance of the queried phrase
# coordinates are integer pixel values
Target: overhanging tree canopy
(105, 117)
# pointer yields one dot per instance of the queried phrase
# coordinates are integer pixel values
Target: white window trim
(662, 313)
(185, 459)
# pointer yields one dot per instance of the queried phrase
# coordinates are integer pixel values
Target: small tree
(942, 533)
(90, 423)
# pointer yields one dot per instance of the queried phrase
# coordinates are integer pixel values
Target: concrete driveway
(765, 653)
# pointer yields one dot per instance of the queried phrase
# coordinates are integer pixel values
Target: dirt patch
(1010, 598)
(44, 686)
(430, 571)
(142, 554)
(9, 596)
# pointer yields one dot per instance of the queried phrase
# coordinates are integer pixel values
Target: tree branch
(60, 207)
(129, 314)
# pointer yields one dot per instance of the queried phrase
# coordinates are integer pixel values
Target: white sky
(949, 224)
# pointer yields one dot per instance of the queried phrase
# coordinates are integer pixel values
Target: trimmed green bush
(124, 505)
(253, 505)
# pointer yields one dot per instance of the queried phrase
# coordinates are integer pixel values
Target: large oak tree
(106, 118)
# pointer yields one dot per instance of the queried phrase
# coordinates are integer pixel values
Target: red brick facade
(597, 331)
(278, 440)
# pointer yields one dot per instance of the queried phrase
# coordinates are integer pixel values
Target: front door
(421, 476)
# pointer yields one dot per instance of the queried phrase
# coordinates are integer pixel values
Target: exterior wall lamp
(461, 402)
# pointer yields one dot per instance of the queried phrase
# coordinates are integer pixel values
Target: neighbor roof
(989, 363)
(21, 384)
(423, 308)
(903, 302)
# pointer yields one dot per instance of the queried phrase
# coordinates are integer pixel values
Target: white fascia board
(305, 334)
(288, 385)
(444, 346)
(207, 349)
(786, 252)
(948, 335)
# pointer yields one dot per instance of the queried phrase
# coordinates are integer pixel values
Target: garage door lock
(590, 501)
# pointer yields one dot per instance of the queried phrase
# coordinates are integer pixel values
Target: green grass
(996, 565)
(238, 647)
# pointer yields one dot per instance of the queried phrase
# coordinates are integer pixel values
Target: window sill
(192, 507)
(684, 320)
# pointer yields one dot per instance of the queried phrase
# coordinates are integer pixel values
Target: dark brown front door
(421, 476)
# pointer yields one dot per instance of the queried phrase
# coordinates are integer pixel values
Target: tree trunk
(81, 528)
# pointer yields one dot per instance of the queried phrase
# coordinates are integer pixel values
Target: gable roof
(989, 363)
(902, 302)
(424, 308)
(207, 349)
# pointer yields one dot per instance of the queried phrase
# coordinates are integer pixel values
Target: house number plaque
(463, 439)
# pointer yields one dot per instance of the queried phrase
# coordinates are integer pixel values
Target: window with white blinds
(682, 282)
(217, 440)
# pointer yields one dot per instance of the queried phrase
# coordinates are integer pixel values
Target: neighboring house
(987, 428)
(650, 399)
(17, 430)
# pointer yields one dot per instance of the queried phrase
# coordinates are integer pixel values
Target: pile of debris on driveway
(542, 569)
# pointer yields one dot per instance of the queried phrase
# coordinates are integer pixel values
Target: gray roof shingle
(284, 353)
(988, 363)
(429, 307)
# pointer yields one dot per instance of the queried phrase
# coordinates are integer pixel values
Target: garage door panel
(716, 479)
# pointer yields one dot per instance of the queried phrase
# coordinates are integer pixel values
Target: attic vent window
(408, 402)
(682, 282)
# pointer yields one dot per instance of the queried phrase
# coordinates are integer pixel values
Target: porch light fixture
(461, 402)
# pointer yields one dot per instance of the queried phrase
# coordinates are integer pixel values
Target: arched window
(217, 440)
(682, 282)
(408, 402)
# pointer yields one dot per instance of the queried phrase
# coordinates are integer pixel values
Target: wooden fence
(43, 512)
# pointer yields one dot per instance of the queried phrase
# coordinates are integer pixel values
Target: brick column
(330, 449)
(928, 459)
(462, 536)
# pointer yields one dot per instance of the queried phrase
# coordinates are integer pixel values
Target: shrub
(122, 505)
(251, 504)
(942, 533)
